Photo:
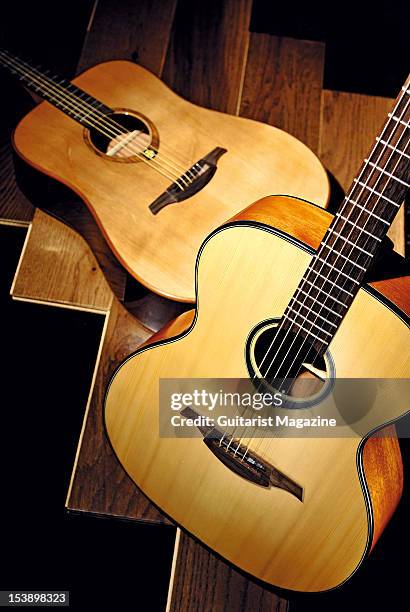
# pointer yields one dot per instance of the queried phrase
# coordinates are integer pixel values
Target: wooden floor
(208, 55)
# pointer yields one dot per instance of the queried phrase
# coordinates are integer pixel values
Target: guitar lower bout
(330, 498)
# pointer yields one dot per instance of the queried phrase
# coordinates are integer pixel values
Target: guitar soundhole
(124, 136)
(280, 359)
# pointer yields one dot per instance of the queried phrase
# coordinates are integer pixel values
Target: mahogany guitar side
(160, 249)
(351, 488)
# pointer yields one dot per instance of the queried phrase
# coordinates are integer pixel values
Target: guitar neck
(349, 246)
(65, 96)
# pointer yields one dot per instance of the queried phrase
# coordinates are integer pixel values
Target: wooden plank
(207, 52)
(205, 64)
(283, 85)
(115, 30)
(202, 581)
(58, 267)
(350, 123)
(99, 484)
(137, 31)
(14, 206)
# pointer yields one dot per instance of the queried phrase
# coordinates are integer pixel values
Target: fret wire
(344, 256)
(374, 154)
(357, 226)
(405, 123)
(386, 144)
(316, 301)
(387, 173)
(357, 205)
(360, 229)
(314, 312)
(312, 270)
(325, 292)
(376, 192)
(113, 126)
(310, 333)
(351, 243)
(105, 121)
(337, 270)
(314, 324)
(29, 73)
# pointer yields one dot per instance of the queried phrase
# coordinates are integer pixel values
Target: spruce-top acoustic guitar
(281, 299)
(157, 172)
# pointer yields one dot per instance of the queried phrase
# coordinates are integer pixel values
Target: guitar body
(247, 273)
(160, 249)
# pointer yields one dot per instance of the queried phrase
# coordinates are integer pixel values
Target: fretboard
(60, 92)
(350, 244)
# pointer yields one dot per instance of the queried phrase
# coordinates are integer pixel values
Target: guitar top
(157, 172)
(301, 501)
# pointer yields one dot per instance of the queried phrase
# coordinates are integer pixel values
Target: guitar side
(160, 250)
(263, 532)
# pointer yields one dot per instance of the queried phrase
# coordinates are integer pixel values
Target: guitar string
(57, 86)
(377, 201)
(264, 446)
(399, 160)
(73, 102)
(346, 203)
(372, 172)
(361, 213)
(68, 102)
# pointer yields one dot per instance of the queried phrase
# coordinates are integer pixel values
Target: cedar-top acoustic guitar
(157, 172)
(297, 510)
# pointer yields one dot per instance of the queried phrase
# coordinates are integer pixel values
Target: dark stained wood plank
(350, 123)
(14, 206)
(207, 52)
(283, 85)
(129, 30)
(99, 484)
(202, 582)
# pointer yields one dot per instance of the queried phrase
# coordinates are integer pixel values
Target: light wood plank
(115, 31)
(350, 123)
(283, 85)
(58, 267)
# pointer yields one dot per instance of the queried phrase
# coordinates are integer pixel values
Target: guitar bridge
(189, 183)
(244, 462)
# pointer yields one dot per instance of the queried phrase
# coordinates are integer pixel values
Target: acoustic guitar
(157, 172)
(281, 297)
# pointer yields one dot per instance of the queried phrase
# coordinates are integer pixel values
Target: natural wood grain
(129, 30)
(160, 250)
(270, 543)
(117, 30)
(14, 206)
(207, 52)
(203, 582)
(99, 484)
(384, 473)
(283, 85)
(58, 267)
(349, 124)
